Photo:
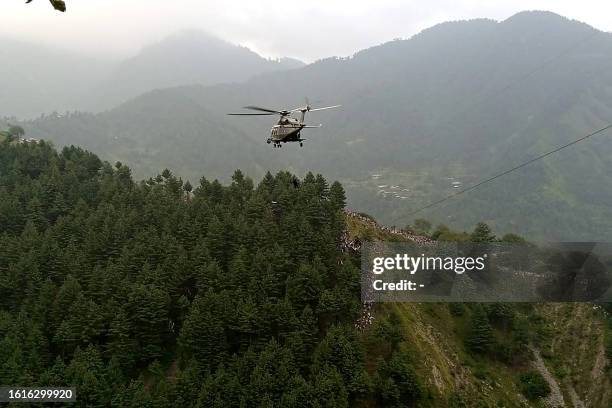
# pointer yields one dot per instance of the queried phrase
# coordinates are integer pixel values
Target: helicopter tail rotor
(327, 107)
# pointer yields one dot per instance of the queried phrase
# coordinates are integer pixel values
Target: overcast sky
(308, 30)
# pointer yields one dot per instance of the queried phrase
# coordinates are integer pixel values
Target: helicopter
(288, 128)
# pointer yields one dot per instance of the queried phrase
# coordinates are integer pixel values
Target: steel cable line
(500, 91)
(495, 177)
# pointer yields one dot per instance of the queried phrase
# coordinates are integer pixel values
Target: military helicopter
(288, 128)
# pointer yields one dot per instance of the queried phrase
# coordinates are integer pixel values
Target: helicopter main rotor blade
(277, 112)
(251, 114)
(257, 108)
(327, 107)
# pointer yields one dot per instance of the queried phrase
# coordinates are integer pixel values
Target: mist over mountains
(36, 79)
(187, 58)
(455, 103)
(41, 79)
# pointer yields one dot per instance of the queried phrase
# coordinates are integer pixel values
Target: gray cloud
(307, 30)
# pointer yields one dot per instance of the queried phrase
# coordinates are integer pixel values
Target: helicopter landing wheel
(301, 144)
(268, 141)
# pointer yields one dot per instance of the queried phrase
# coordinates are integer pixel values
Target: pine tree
(87, 373)
(482, 233)
(329, 390)
(148, 315)
(341, 350)
(337, 196)
(480, 334)
(203, 335)
(322, 188)
(298, 394)
(217, 242)
(121, 344)
(304, 286)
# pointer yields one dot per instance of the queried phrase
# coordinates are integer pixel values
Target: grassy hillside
(570, 338)
(575, 350)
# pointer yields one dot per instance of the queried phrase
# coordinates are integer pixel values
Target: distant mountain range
(40, 79)
(35, 79)
(454, 104)
(187, 58)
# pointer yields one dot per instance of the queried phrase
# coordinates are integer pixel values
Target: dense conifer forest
(161, 294)
(157, 294)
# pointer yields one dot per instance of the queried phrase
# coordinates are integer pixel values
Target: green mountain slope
(157, 132)
(567, 343)
(457, 102)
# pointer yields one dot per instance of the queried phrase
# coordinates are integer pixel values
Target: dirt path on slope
(555, 399)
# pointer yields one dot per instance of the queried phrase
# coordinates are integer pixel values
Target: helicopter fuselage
(286, 130)
(288, 127)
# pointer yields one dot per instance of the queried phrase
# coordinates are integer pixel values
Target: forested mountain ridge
(156, 293)
(240, 289)
(455, 103)
(186, 58)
